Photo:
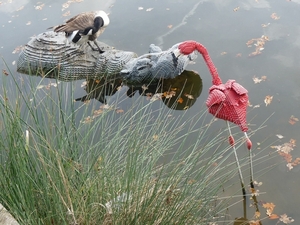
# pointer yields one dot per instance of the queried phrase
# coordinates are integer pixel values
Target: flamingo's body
(225, 101)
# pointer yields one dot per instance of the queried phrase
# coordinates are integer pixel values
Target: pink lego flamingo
(225, 101)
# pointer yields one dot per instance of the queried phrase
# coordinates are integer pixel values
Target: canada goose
(85, 27)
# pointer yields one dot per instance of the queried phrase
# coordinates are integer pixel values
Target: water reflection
(179, 93)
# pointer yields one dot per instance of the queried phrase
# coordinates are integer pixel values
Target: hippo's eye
(141, 67)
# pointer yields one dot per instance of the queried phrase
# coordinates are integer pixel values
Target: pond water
(227, 29)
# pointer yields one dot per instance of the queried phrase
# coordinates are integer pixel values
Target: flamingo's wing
(215, 97)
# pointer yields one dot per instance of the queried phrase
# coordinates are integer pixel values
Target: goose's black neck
(98, 23)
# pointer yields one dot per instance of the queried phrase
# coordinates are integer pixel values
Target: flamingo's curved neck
(216, 80)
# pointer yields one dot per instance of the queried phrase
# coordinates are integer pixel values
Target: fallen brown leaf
(180, 100)
(293, 120)
(39, 7)
(273, 216)
(257, 214)
(236, 9)
(274, 16)
(258, 43)
(268, 100)
(155, 137)
(285, 219)
(119, 111)
(256, 80)
(169, 94)
(189, 96)
(5, 72)
(265, 25)
(254, 222)
(269, 205)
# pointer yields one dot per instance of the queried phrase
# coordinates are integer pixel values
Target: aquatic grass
(142, 166)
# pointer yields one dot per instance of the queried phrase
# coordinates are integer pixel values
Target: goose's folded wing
(79, 22)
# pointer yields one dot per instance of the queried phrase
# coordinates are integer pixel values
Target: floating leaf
(256, 80)
(264, 78)
(257, 214)
(87, 120)
(180, 100)
(258, 43)
(236, 9)
(273, 216)
(279, 136)
(65, 6)
(155, 137)
(68, 13)
(268, 100)
(144, 87)
(296, 162)
(265, 25)
(254, 192)
(257, 183)
(119, 111)
(192, 181)
(83, 84)
(293, 120)
(290, 166)
(285, 148)
(189, 96)
(269, 206)
(39, 7)
(19, 9)
(170, 26)
(156, 97)
(254, 222)
(5, 72)
(97, 113)
(285, 219)
(287, 156)
(169, 94)
(106, 106)
(274, 16)
(17, 49)
(149, 96)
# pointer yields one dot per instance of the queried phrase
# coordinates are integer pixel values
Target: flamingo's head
(187, 47)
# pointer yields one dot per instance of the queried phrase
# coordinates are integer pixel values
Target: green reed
(63, 162)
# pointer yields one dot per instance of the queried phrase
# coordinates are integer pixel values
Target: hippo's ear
(154, 49)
